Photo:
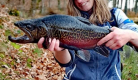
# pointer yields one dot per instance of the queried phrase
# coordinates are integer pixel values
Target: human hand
(62, 55)
(116, 39)
(54, 44)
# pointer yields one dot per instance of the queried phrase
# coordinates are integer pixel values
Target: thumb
(40, 42)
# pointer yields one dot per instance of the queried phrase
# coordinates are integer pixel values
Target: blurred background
(27, 61)
(34, 8)
(43, 7)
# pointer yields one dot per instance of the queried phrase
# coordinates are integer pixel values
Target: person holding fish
(98, 67)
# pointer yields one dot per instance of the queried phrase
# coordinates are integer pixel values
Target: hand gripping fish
(74, 33)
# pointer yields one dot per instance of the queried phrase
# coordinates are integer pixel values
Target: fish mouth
(26, 38)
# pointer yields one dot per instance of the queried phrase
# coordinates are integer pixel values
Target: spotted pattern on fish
(73, 32)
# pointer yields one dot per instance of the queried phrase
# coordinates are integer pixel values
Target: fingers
(114, 47)
(40, 42)
(57, 48)
(105, 39)
(110, 43)
(114, 40)
(110, 39)
(52, 45)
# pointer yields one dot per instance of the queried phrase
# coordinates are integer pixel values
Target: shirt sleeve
(124, 22)
(72, 53)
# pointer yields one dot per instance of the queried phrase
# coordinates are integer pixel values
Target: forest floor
(24, 61)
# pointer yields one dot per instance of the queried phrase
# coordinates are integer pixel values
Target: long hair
(100, 11)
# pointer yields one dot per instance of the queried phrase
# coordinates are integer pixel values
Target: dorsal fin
(84, 20)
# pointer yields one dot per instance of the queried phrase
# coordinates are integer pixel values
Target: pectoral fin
(84, 55)
(102, 50)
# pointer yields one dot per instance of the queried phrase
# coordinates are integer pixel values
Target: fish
(73, 32)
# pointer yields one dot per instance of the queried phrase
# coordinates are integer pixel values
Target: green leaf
(2, 55)
(12, 63)
(14, 12)
(29, 60)
(20, 51)
(37, 51)
(2, 77)
(8, 32)
(16, 46)
(19, 31)
(1, 27)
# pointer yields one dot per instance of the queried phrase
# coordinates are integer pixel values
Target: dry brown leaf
(15, 60)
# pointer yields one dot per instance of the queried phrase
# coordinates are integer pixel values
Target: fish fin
(84, 20)
(102, 50)
(84, 55)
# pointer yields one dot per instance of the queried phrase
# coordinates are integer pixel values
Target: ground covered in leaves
(23, 61)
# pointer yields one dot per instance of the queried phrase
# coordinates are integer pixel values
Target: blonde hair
(100, 11)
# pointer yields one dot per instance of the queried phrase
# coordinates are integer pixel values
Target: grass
(129, 58)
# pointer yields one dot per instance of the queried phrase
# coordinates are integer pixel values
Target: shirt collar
(85, 14)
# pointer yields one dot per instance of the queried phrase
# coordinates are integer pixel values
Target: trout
(73, 32)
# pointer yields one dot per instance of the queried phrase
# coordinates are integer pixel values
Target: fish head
(34, 29)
